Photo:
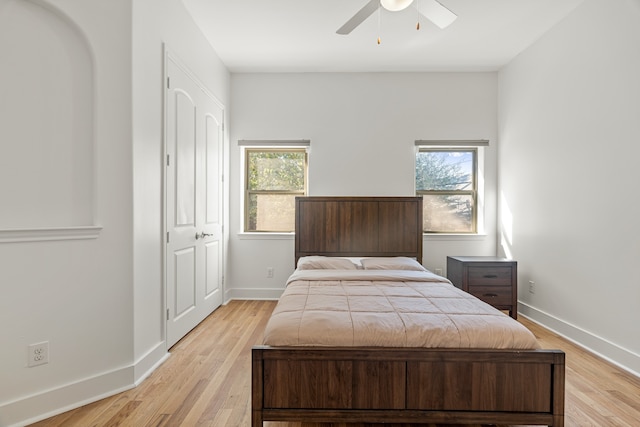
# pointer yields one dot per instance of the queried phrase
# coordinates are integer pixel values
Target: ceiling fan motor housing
(395, 5)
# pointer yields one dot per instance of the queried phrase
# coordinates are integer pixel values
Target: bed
(375, 375)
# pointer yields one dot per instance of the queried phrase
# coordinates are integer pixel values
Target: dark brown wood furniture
(494, 280)
(367, 226)
(401, 385)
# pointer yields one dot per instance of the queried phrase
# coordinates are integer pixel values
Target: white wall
(45, 56)
(76, 294)
(569, 127)
(98, 301)
(362, 129)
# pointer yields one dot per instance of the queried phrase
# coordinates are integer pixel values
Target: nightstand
(494, 280)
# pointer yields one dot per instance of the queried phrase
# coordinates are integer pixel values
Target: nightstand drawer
(494, 295)
(490, 276)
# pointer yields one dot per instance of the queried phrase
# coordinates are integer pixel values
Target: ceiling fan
(433, 10)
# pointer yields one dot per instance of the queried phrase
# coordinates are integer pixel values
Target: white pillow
(325, 263)
(391, 263)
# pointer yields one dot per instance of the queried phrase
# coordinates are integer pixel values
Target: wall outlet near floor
(532, 287)
(438, 271)
(38, 354)
(270, 272)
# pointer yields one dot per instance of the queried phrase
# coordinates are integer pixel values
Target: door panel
(194, 142)
(185, 281)
(185, 158)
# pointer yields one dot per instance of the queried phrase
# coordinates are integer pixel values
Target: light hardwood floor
(207, 382)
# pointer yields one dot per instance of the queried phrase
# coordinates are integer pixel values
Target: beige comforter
(387, 308)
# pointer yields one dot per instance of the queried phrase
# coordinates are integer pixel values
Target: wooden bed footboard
(407, 385)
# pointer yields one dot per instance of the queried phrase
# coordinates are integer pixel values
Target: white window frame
(452, 145)
(266, 145)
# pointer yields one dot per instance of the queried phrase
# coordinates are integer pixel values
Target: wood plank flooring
(207, 382)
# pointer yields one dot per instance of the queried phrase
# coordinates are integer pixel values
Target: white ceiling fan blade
(436, 13)
(359, 17)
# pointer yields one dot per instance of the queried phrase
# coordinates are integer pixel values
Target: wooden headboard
(359, 226)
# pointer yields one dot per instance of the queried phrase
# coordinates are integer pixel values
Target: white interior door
(194, 255)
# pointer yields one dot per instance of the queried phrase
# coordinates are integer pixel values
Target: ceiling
(300, 35)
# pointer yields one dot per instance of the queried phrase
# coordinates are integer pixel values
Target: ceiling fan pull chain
(418, 13)
(379, 19)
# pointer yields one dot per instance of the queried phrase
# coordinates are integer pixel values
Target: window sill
(266, 236)
(444, 237)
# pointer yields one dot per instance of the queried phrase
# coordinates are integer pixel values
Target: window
(273, 178)
(446, 178)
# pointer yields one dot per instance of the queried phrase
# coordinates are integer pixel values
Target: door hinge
(168, 82)
(167, 237)
(168, 159)
(167, 314)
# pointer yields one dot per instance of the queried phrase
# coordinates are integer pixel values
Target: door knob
(202, 235)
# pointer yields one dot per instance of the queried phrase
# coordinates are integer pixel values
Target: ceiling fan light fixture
(432, 10)
(395, 5)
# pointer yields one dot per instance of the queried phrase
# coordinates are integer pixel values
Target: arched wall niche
(47, 93)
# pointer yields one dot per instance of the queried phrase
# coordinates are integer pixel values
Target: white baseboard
(148, 363)
(619, 356)
(48, 403)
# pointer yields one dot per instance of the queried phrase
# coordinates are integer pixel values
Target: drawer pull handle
(490, 276)
(490, 295)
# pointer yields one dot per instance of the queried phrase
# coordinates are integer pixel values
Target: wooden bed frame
(395, 385)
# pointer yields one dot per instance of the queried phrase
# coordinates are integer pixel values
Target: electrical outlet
(438, 271)
(270, 272)
(532, 287)
(38, 354)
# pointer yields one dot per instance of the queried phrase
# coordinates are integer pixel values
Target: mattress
(388, 308)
